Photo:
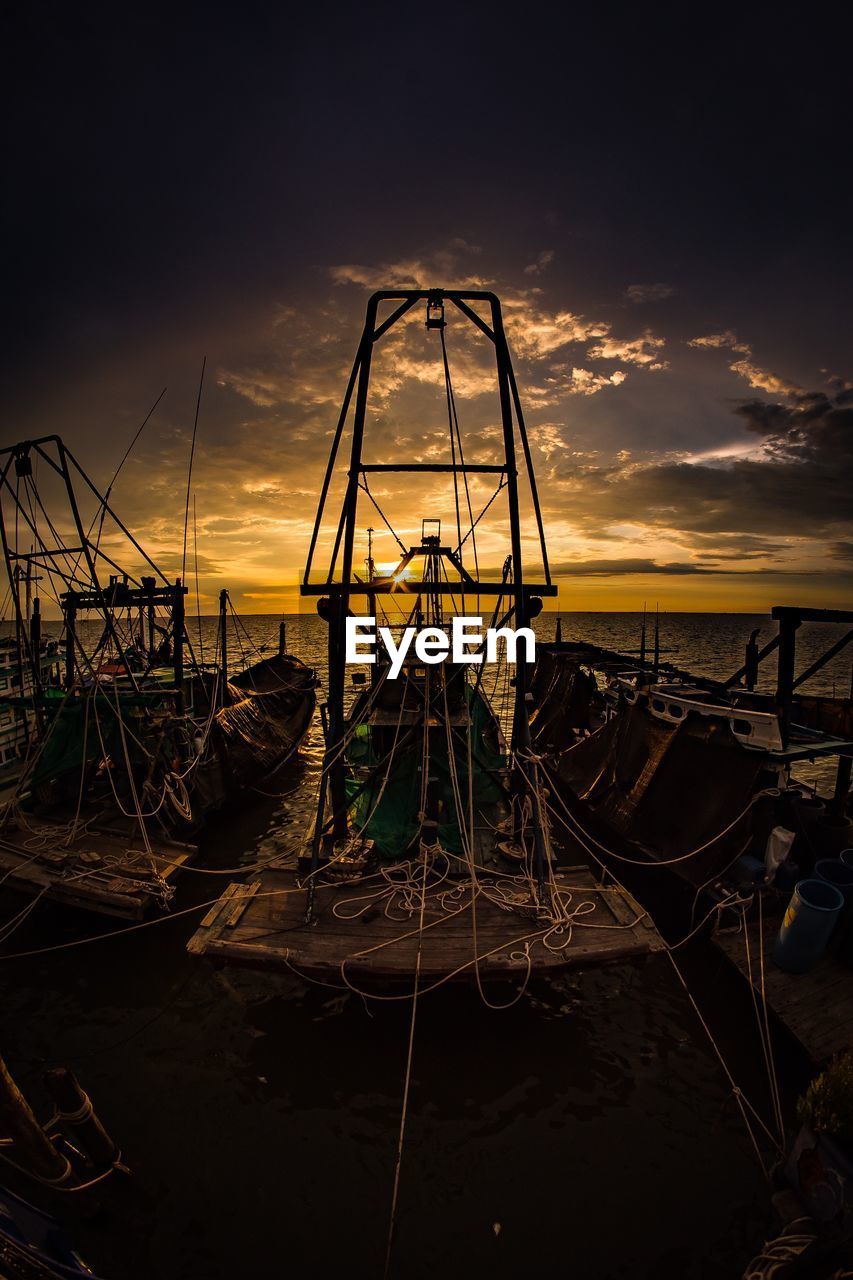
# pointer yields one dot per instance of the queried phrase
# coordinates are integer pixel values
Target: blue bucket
(840, 874)
(809, 921)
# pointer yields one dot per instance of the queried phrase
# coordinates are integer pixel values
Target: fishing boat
(430, 857)
(656, 764)
(264, 715)
(137, 739)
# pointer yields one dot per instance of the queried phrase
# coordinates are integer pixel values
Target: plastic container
(749, 871)
(805, 814)
(788, 875)
(809, 921)
(812, 805)
(840, 874)
(833, 834)
(837, 873)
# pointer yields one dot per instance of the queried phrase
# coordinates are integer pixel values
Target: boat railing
(759, 729)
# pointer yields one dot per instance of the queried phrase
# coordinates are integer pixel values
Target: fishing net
(387, 810)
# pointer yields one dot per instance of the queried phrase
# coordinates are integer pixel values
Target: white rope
(762, 1017)
(407, 1080)
(777, 1255)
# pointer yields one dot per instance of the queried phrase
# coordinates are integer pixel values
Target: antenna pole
(70, 602)
(370, 565)
(223, 643)
(657, 637)
(178, 635)
(190, 470)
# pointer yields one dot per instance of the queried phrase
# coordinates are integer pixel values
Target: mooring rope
(407, 1079)
(763, 1023)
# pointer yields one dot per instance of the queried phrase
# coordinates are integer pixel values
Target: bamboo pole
(31, 1147)
(77, 1117)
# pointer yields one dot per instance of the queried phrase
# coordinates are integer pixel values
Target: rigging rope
(657, 862)
(454, 427)
(744, 1105)
(362, 483)
(763, 1024)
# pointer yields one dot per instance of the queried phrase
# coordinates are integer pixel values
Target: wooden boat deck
(262, 924)
(380, 719)
(816, 1007)
(105, 871)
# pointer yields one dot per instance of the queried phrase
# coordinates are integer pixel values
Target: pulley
(24, 463)
(435, 311)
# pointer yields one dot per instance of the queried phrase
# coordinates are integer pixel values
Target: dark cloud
(755, 497)
(799, 485)
(170, 562)
(649, 292)
(810, 426)
(611, 568)
(731, 555)
(734, 546)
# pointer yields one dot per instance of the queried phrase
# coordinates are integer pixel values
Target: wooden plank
(816, 1007)
(208, 919)
(239, 904)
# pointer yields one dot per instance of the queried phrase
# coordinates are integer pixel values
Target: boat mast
(656, 662)
(336, 591)
(82, 591)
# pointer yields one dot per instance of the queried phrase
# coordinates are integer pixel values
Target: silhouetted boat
(660, 765)
(137, 740)
(268, 712)
(33, 1245)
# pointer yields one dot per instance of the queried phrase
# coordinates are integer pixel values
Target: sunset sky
(666, 221)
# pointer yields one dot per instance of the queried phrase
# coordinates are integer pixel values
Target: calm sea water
(588, 1130)
(709, 644)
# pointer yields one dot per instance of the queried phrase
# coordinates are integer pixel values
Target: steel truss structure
(337, 588)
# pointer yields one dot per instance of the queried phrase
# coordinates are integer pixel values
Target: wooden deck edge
(215, 939)
(25, 875)
(214, 943)
(123, 906)
(810, 1007)
(221, 950)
